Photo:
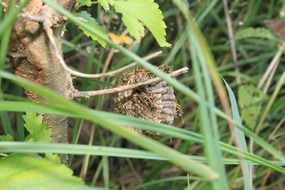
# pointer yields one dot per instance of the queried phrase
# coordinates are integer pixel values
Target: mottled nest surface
(154, 102)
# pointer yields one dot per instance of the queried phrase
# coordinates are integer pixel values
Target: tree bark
(32, 57)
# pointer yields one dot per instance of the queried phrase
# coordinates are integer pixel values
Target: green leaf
(255, 33)
(86, 17)
(52, 157)
(34, 173)
(80, 3)
(250, 99)
(105, 4)
(240, 138)
(39, 132)
(139, 13)
(7, 137)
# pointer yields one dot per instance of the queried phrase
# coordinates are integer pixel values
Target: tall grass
(220, 164)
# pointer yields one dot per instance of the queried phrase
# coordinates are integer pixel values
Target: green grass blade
(141, 124)
(165, 180)
(205, 11)
(106, 176)
(145, 142)
(270, 102)
(177, 85)
(241, 142)
(3, 47)
(29, 147)
(208, 117)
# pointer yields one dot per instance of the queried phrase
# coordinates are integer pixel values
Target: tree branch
(33, 57)
(87, 94)
(47, 23)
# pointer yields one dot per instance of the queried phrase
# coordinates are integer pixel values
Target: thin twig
(47, 26)
(108, 60)
(269, 80)
(87, 94)
(231, 37)
(86, 159)
(84, 75)
(274, 63)
(136, 174)
(5, 6)
(117, 71)
(110, 57)
(273, 135)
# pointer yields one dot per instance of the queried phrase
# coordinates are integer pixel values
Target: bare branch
(117, 71)
(47, 23)
(84, 75)
(87, 94)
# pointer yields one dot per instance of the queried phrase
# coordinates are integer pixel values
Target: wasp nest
(154, 102)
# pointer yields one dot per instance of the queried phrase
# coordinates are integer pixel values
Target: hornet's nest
(156, 102)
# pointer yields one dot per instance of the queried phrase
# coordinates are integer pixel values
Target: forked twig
(47, 23)
(84, 75)
(86, 94)
(117, 71)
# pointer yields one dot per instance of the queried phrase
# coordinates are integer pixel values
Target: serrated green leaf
(80, 3)
(140, 13)
(86, 17)
(255, 33)
(250, 99)
(39, 132)
(105, 4)
(34, 173)
(6, 138)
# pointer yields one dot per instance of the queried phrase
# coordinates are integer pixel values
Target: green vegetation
(230, 135)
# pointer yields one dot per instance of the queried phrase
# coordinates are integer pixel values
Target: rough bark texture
(33, 58)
